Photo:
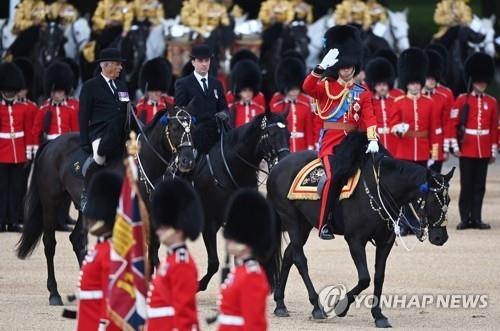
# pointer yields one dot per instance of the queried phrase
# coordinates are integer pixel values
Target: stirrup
(326, 233)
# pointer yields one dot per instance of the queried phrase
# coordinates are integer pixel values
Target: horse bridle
(440, 195)
(271, 155)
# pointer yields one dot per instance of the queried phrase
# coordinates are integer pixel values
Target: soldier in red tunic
(249, 234)
(390, 56)
(177, 215)
(296, 105)
(155, 80)
(57, 116)
(245, 85)
(478, 139)
(414, 119)
(15, 128)
(103, 194)
(342, 105)
(380, 79)
(441, 105)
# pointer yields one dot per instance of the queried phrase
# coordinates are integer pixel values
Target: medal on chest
(356, 106)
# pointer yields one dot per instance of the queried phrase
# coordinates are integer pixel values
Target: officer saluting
(210, 102)
(476, 115)
(103, 113)
(249, 234)
(177, 215)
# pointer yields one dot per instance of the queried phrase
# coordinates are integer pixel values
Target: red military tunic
(147, 109)
(32, 110)
(172, 294)
(440, 101)
(64, 119)
(16, 121)
(92, 306)
(450, 101)
(258, 99)
(243, 297)
(481, 128)
(383, 108)
(300, 120)
(395, 92)
(243, 112)
(356, 101)
(420, 114)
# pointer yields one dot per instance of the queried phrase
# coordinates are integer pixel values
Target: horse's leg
(49, 242)
(300, 261)
(78, 238)
(210, 240)
(279, 291)
(358, 254)
(381, 255)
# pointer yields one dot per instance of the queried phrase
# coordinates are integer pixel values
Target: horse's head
(274, 137)
(51, 39)
(435, 204)
(179, 125)
(399, 27)
(484, 26)
(297, 39)
(134, 47)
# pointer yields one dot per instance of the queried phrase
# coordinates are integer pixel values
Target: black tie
(113, 87)
(205, 87)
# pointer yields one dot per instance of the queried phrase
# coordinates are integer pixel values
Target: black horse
(361, 218)
(231, 164)
(133, 48)
(53, 183)
(276, 40)
(456, 41)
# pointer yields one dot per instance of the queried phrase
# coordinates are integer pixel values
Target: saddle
(309, 182)
(79, 162)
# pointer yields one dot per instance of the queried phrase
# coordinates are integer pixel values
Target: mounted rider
(148, 12)
(376, 12)
(276, 11)
(352, 12)
(62, 12)
(204, 16)
(451, 13)
(342, 105)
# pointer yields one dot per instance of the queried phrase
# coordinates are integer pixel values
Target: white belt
(230, 320)
(297, 134)
(383, 130)
(160, 312)
(90, 295)
(477, 132)
(11, 135)
(53, 136)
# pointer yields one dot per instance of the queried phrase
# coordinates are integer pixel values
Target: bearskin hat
(413, 65)
(26, 67)
(250, 220)
(479, 67)
(243, 54)
(246, 74)
(435, 68)
(293, 53)
(103, 194)
(347, 40)
(390, 56)
(379, 70)
(11, 77)
(58, 76)
(75, 68)
(175, 203)
(156, 75)
(290, 73)
(444, 56)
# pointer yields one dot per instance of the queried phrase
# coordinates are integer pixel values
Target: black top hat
(110, 54)
(201, 52)
(175, 203)
(103, 195)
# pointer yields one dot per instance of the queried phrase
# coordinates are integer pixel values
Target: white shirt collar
(108, 82)
(199, 77)
(105, 78)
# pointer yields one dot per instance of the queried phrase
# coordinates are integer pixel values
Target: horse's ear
(190, 106)
(449, 175)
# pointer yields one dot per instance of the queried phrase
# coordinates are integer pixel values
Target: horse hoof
(281, 312)
(55, 300)
(318, 314)
(383, 323)
(342, 307)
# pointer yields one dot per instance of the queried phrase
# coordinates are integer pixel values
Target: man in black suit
(103, 114)
(209, 105)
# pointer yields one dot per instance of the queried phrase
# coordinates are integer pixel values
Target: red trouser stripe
(326, 192)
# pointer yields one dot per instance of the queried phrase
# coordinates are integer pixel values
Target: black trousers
(472, 188)
(24, 187)
(11, 192)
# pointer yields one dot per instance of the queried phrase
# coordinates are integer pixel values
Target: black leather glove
(222, 115)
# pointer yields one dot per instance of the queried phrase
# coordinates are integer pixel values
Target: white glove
(29, 152)
(401, 128)
(330, 59)
(372, 147)
(430, 162)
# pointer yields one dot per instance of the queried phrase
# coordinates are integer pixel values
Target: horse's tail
(273, 264)
(33, 219)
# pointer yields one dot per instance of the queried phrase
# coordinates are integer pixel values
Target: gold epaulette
(426, 96)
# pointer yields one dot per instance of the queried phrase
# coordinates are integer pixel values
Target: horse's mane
(149, 127)
(408, 170)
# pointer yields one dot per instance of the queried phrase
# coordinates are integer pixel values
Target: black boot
(480, 225)
(463, 225)
(326, 232)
